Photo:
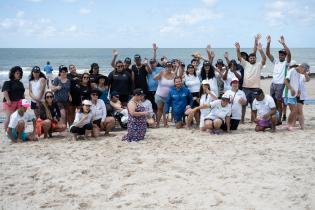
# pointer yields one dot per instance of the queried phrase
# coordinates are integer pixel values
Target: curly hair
(13, 70)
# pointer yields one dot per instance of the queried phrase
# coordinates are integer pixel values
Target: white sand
(170, 169)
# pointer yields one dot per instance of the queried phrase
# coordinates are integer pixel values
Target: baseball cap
(87, 102)
(206, 63)
(190, 66)
(114, 93)
(205, 82)
(138, 92)
(97, 91)
(283, 51)
(225, 97)
(168, 63)
(128, 60)
(137, 56)
(63, 68)
(258, 92)
(35, 69)
(24, 103)
(305, 66)
(235, 80)
(220, 62)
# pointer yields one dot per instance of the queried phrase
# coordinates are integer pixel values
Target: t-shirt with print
(251, 74)
(236, 106)
(206, 99)
(62, 95)
(218, 111)
(294, 79)
(264, 106)
(16, 117)
(278, 74)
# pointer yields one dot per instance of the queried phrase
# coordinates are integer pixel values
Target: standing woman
(137, 120)
(208, 73)
(13, 91)
(166, 82)
(85, 87)
(192, 82)
(61, 88)
(37, 88)
(50, 116)
(75, 80)
(94, 74)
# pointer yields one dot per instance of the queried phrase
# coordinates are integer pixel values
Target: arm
(254, 115)
(168, 103)
(262, 54)
(226, 56)
(256, 41)
(238, 76)
(147, 66)
(269, 114)
(190, 99)
(287, 83)
(307, 77)
(238, 51)
(271, 58)
(158, 76)
(10, 134)
(228, 123)
(287, 50)
(115, 54)
(42, 88)
(132, 110)
(6, 96)
(224, 76)
(154, 47)
(104, 111)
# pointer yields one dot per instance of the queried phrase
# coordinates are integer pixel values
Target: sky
(139, 23)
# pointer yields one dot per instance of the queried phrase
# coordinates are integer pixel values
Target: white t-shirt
(294, 79)
(35, 86)
(251, 74)
(206, 111)
(230, 77)
(193, 83)
(79, 116)
(99, 110)
(236, 106)
(217, 111)
(264, 106)
(279, 69)
(15, 118)
(213, 83)
(148, 107)
(303, 95)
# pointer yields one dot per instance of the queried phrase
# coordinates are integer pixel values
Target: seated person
(82, 124)
(16, 128)
(264, 111)
(49, 120)
(148, 108)
(119, 110)
(100, 119)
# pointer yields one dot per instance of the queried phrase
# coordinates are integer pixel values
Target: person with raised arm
(252, 72)
(280, 69)
(141, 70)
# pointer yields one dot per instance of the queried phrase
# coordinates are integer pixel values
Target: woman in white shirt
(302, 95)
(100, 119)
(82, 124)
(37, 88)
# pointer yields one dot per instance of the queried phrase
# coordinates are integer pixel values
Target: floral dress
(137, 125)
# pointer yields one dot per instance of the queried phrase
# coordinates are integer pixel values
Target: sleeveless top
(35, 85)
(164, 87)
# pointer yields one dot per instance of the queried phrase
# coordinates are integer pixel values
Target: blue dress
(137, 125)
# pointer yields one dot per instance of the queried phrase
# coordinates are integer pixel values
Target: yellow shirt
(251, 74)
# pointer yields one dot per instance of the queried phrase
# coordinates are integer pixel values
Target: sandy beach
(170, 169)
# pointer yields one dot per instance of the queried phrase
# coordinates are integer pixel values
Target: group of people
(212, 96)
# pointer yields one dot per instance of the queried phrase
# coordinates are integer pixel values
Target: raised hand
(259, 46)
(154, 46)
(257, 38)
(281, 40)
(226, 55)
(268, 38)
(208, 48)
(145, 61)
(115, 52)
(212, 54)
(237, 45)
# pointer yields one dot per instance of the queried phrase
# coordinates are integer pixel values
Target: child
(148, 108)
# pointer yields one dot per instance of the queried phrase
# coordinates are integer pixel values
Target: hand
(9, 102)
(154, 46)
(208, 48)
(115, 52)
(257, 38)
(237, 45)
(77, 110)
(281, 40)
(259, 46)
(226, 55)
(188, 107)
(268, 39)
(208, 91)
(145, 61)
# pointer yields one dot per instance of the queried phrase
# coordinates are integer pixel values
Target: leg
(71, 114)
(292, 115)
(63, 115)
(46, 124)
(217, 123)
(284, 113)
(20, 127)
(273, 123)
(95, 131)
(208, 124)
(109, 124)
(301, 115)
(243, 114)
(159, 113)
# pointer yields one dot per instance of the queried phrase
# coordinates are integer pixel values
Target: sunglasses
(120, 66)
(86, 77)
(49, 97)
(94, 94)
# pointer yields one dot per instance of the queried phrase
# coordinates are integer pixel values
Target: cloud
(282, 12)
(72, 28)
(36, 1)
(20, 14)
(84, 11)
(177, 23)
(70, 1)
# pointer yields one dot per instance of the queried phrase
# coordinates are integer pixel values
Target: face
(234, 85)
(205, 88)
(260, 97)
(23, 109)
(282, 57)
(178, 82)
(138, 61)
(35, 74)
(207, 68)
(219, 66)
(94, 96)
(63, 73)
(252, 59)
(85, 78)
(49, 97)
(126, 65)
(153, 65)
(233, 66)
(169, 67)
(164, 61)
(95, 69)
(300, 69)
(191, 70)
(86, 108)
(194, 63)
(120, 67)
(101, 81)
(115, 98)
(72, 69)
(17, 75)
(224, 102)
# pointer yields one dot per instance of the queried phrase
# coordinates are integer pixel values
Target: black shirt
(15, 90)
(54, 110)
(93, 77)
(140, 77)
(75, 89)
(120, 82)
(85, 92)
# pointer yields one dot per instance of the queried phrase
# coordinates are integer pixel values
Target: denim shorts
(292, 101)
(159, 100)
(15, 135)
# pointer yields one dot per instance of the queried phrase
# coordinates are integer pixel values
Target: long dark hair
(41, 75)
(201, 90)
(187, 73)
(89, 82)
(210, 75)
(13, 70)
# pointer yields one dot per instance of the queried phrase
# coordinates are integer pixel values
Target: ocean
(83, 58)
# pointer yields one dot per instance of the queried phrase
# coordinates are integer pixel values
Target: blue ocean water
(83, 58)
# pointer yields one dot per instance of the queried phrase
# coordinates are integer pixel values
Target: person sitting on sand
(100, 119)
(264, 111)
(148, 108)
(119, 109)
(18, 120)
(82, 124)
(49, 116)
(180, 99)
(220, 112)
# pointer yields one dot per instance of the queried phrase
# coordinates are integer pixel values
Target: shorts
(249, 93)
(195, 102)
(97, 122)
(159, 100)
(62, 105)
(179, 117)
(276, 91)
(11, 108)
(299, 101)
(151, 97)
(81, 131)
(34, 105)
(264, 123)
(292, 101)
(15, 135)
(233, 125)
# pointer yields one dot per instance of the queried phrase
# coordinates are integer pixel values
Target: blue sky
(139, 23)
